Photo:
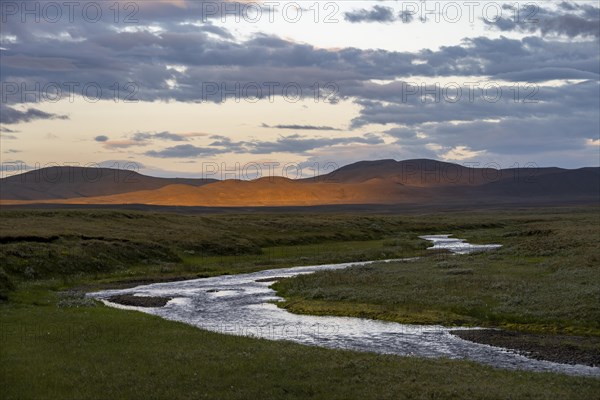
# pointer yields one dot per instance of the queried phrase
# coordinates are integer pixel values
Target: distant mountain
(424, 172)
(72, 182)
(261, 192)
(578, 183)
(365, 182)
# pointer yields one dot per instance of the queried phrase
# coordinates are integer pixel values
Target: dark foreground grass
(49, 352)
(57, 345)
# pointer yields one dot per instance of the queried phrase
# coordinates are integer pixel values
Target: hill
(365, 182)
(72, 182)
(427, 173)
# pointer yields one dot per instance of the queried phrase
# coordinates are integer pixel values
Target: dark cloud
(5, 133)
(146, 58)
(301, 127)
(509, 136)
(580, 20)
(184, 151)
(406, 17)
(175, 60)
(143, 139)
(504, 128)
(546, 74)
(227, 144)
(301, 144)
(9, 115)
(143, 136)
(375, 14)
(284, 144)
(399, 103)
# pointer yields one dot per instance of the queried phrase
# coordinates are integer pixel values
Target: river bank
(556, 348)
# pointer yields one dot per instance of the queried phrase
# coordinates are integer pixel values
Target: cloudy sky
(179, 86)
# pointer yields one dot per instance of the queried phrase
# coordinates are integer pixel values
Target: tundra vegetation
(55, 343)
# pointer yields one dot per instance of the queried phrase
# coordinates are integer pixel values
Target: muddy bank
(139, 301)
(273, 279)
(557, 348)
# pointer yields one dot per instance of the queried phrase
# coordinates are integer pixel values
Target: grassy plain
(545, 278)
(55, 344)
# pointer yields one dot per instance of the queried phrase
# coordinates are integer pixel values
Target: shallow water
(457, 246)
(239, 305)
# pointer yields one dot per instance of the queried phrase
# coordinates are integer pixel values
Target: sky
(184, 88)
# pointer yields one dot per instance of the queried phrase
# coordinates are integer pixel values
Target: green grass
(545, 278)
(56, 345)
(102, 245)
(50, 352)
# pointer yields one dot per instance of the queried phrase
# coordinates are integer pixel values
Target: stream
(243, 305)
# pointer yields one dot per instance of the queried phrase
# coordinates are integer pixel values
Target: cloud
(397, 103)
(144, 136)
(184, 151)
(14, 167)
(296, 144)
(379, 14)
(503, 129)
(406, 16)
(541, 135)
(546, 74)
(206, 62)
(301, 127)
(169, 55)
(523, 137)
(299, 144)
(227, 144)
(580, 20)
(144, 139)
(9, 115)
(375, 14)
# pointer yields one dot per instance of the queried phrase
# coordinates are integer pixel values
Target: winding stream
(243, 305)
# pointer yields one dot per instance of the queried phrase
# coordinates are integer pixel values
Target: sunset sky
(173, 86)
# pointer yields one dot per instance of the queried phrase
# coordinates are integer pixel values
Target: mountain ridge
(61, 182)
(364, 182)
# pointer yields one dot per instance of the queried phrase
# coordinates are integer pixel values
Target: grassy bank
(56, 344)
(545, 278)
(91, 246)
